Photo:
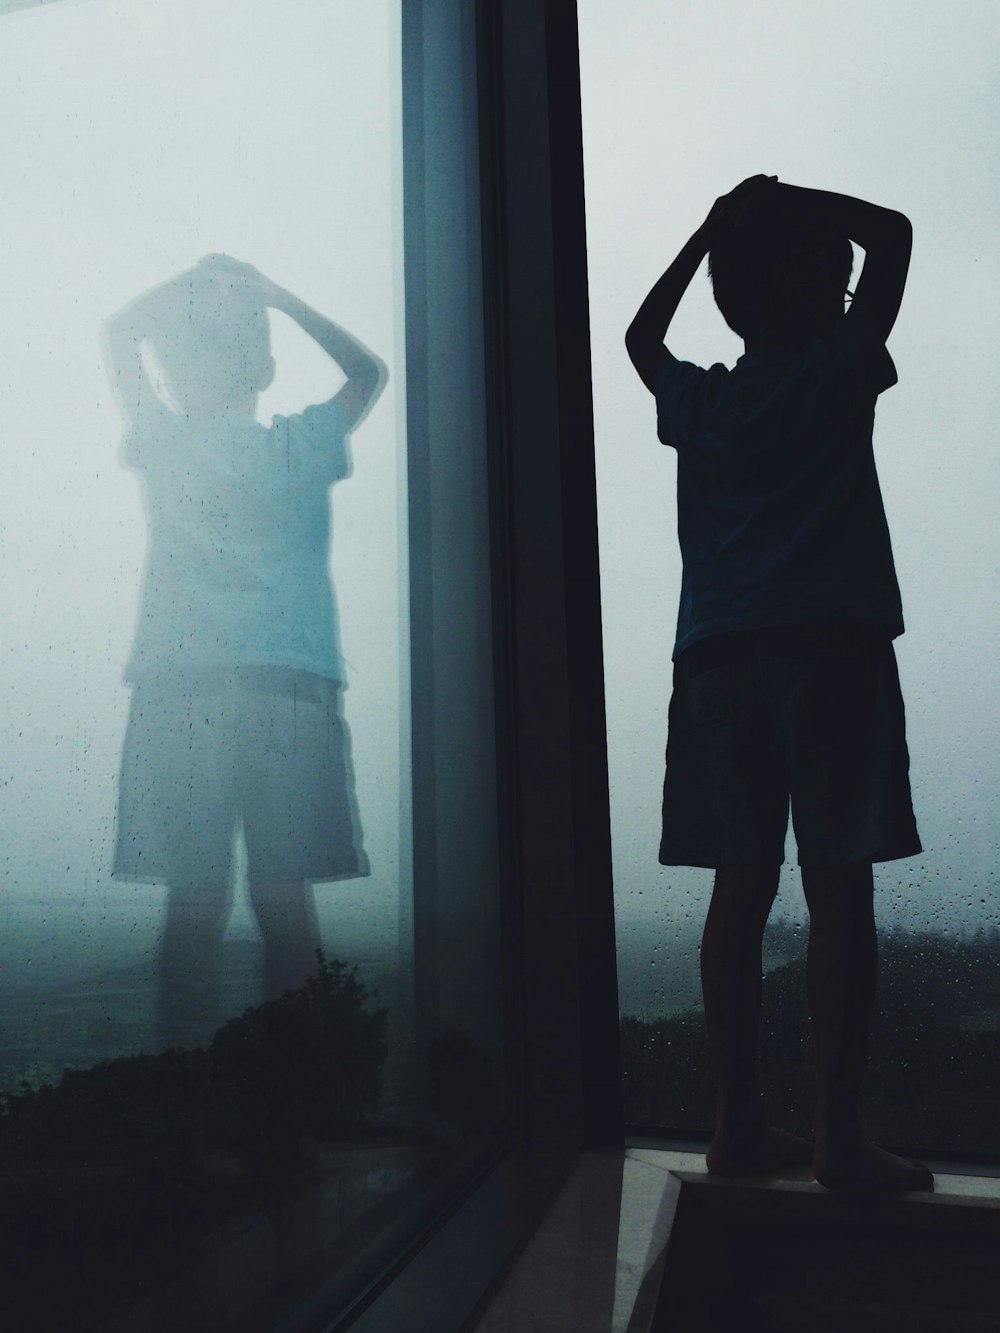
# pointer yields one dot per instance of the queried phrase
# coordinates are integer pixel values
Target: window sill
(629, 1217)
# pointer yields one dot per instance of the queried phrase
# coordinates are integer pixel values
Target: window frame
(562, 1049)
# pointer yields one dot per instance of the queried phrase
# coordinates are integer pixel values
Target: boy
(784, 679)
(236, 669)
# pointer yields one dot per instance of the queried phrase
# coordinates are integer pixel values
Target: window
(680, 103)
(314, 1150)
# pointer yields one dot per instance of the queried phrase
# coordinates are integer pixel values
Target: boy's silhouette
(784, 679)
(236, 669)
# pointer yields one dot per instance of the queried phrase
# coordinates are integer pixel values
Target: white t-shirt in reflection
(237, 568)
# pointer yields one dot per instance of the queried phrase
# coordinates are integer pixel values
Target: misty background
(143, 134)
(893, 101)
(139, 137)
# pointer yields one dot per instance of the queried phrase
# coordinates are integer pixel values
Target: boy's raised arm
(886, 236)
(366, 373)
(121, 339)
(644, 339)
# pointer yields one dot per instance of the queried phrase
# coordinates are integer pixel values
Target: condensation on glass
(209, 874)
(676, 112)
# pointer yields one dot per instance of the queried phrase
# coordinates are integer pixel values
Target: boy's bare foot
(867, 1168)
(765, 1151)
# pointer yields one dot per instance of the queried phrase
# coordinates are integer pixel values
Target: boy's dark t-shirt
(779, 512)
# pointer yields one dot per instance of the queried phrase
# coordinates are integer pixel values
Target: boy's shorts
(206, 750)
(807, 713)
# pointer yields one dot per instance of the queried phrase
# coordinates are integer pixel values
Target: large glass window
(891, 103)
(247, 663)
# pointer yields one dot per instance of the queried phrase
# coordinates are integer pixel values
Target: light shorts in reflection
(206, 750)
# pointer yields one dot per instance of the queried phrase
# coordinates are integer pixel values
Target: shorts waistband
(283, 682)
(821, 638)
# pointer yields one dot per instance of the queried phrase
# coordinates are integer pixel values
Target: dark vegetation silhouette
(112, 1179)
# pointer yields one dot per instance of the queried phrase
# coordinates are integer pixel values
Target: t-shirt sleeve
(852, 350)
(679, 392)
(316, 441)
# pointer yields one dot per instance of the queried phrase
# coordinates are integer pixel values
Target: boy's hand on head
(242, 276)
(729, 209)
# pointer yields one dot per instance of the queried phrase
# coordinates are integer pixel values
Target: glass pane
(892, 104)
(208, 739)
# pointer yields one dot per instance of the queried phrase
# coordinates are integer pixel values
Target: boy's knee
(750, 888)
(838, 890)
(281, 903)
(190, 898)
(277, 890)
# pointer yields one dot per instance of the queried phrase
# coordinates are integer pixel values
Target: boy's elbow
(373, 379)
(634, 344)
(903, 239)
(381, 377)
(646, 355)
(899, 228)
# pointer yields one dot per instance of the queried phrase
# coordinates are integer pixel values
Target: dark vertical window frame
(556, 920)
(540, 272)
(599, 1020)
(547, 614)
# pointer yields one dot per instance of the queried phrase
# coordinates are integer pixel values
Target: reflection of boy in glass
(236, 666)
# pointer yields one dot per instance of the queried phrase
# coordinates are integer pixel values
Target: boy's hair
(215, 347)
(783, 250)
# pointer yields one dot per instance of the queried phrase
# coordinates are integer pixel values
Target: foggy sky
(139, 137)
(893, 102)
(132, 149)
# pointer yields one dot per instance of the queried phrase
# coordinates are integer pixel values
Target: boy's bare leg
(286, 914)
(189, 963)
(842, 973)
(731, 970)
